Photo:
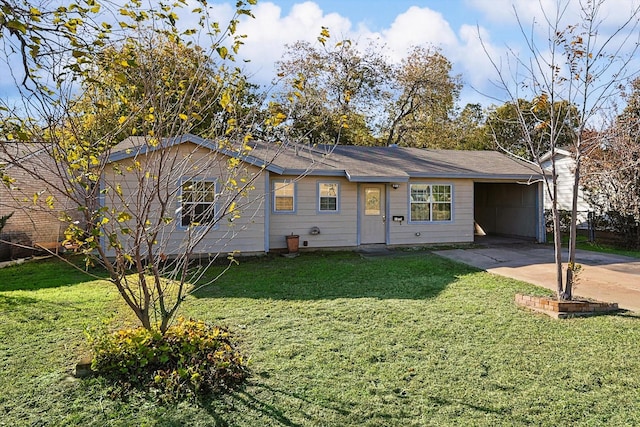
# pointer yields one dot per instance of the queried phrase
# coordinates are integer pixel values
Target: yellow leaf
(183, 116)
(123, 216)
(225, 100)
(122, 119)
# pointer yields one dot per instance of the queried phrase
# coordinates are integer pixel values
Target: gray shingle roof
(369, 164)
(15, 152)
(389, 164)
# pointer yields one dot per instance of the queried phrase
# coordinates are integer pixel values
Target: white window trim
(319, 197)
(180, 209)
(431, 203)
(295, 198)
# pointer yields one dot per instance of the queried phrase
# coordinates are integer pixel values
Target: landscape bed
(335, 339)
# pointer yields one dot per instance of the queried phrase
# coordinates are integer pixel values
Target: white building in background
(565, 168)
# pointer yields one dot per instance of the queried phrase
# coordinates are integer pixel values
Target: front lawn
(335, 340)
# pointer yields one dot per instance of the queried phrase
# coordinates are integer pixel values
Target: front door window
(372, 201)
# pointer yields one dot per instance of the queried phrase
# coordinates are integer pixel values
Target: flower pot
(293, 242)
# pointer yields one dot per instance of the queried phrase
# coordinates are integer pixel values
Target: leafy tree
(470, 130)
(152, 70)
(504, 124)
(423, 97)
(336, 89)
(612, 169)
(577, 66)
(361, 97)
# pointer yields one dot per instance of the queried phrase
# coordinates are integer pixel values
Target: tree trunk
(573, 232)
(557, 235)
(557, 245)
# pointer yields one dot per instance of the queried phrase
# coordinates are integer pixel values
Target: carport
(512, 209)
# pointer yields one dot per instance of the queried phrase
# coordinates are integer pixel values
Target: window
(430, 202)
(328, 197)
(198, 202)
(284, 196)
(372, 198)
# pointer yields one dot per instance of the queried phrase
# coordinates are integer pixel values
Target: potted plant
(293, 243)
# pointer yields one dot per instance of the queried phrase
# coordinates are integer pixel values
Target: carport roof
(363, 164)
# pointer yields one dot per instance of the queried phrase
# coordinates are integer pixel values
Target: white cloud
(474, 58)
(418, 26)
(612, 13)
(270, 31)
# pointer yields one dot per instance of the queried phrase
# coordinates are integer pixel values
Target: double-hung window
(198, 202)
(430, 202)
(284, 196)
(328, 196)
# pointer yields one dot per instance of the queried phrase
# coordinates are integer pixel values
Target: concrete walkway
(608, 278)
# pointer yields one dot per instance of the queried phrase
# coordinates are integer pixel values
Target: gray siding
(336, 229)
(458, 230)
(244, 234)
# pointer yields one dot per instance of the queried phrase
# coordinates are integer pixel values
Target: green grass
(335, 340)
(607, 249)
(582, 242)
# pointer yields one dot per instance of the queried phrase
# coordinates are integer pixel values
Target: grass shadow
(271, 405)
(333, 275)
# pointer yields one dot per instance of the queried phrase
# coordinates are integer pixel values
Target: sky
(459, 28)
(452, 25)
(468, 32)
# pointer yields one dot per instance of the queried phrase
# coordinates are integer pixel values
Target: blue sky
(379, 14)
(452, 25)
(457, 27)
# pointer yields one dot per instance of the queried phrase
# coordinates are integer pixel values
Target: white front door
(372, 214)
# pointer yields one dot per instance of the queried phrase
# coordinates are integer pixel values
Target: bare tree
(583, 64)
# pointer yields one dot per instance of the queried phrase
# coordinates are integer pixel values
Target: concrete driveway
(609, 278)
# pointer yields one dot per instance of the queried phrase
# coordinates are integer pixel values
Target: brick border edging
(564, 309)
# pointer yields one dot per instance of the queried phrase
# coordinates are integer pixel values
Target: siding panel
(244, 234)
(336, 229)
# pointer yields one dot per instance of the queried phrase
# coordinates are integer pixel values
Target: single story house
(333, 196)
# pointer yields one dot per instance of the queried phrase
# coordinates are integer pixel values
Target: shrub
(190, 359)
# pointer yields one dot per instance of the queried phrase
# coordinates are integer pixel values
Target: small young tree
(583, 64)
(109, 100)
